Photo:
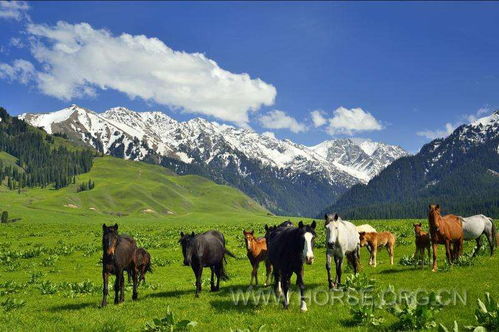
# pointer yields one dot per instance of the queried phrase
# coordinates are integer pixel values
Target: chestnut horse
(447, 230)
(257, 252)
(423, 243)
(372, 241)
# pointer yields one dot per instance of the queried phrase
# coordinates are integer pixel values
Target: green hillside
(128, 189)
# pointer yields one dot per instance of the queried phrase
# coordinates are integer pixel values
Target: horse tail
(494, 237)
(223, 274)
(229, 253)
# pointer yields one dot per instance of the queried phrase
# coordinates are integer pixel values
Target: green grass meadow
(50, 259)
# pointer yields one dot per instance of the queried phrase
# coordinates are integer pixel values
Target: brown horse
(447, 230)
(372, 241)
(118, 256)
(257, 252)
(142, 263)
(423, 243)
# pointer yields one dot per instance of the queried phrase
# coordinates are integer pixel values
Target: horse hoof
(433, 270)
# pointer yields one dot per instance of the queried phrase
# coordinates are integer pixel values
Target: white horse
(342, 239)
(475, 226)
(366, 228)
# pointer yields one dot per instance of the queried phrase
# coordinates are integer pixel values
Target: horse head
(308, 233)
(110, 239)
(331, 224)
(417, 228)
(434, 216)
(363, 239)
(248, 238)
(186, 243)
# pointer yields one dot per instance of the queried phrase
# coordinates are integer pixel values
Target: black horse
(288, 249)
(118, 256)
(270, 229)
(205, 250)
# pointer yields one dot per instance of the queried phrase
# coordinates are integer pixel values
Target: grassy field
(50, 259)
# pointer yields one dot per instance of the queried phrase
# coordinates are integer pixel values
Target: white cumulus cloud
(77, 60)
(318, 118)
(21, 70)
(351, 121)
(280, 120)
(15, 10)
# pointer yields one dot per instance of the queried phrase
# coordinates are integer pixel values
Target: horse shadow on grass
(228, 305)
(73, 306)
(392, 271)
(174, 293)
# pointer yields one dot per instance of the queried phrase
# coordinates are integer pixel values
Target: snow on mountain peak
(487, 120)
(343, 160)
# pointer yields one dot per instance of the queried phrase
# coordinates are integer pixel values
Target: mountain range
(460, 172)
(285, 177)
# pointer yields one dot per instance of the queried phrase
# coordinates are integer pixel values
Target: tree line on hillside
(40, 160)
(468, 185)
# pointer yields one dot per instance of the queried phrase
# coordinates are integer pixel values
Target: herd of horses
(285, 249)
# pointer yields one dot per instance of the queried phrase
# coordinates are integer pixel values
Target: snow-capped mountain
(458, 171)
(225, 153)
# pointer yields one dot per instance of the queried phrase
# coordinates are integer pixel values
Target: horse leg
(218, 274)
(105, 291)
(285, 288)
(356, 260)
(122, 286)
(257, 263)
(117, 289)
(429, 255)
(368, 247)
(212, 278)
(252, 270)
(338, 261)
(448, 251)
(268, 269)
(416, 256)
(277, 283)
(198, 272)
(478, 246)
(328, 269)
(135, 277)
(301, 286)
(375, 252)
(391, 252)
(434, 247)
(490, 240)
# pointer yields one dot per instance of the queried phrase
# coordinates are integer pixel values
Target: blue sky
(398, 73)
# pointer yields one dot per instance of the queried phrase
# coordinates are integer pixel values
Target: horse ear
(266, 227)
(104, 227)
(429, 206)
(115, 227)
(325, 216)
(314, 224)
(182, 234)
(336, 216)
(437, 207)
(300, 224)
(252, 232)
(193, 234)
